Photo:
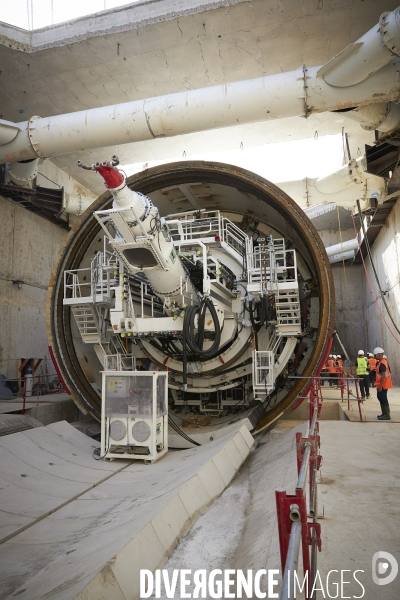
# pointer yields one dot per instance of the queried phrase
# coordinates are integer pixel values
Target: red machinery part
(113, 178)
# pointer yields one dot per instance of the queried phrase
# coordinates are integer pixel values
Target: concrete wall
(350, 299)
(386, 258)
(29, 246)
(350, 309)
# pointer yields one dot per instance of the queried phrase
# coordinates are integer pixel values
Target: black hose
(188, 328)
(189, 338)
(179, 431)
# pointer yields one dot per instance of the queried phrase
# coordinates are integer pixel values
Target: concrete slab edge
(119, 579)
(119, 19)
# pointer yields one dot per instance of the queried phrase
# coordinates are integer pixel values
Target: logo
(381, 561)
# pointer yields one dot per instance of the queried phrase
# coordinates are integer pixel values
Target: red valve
(113, 178)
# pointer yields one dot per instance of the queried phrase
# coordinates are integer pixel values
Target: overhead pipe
(373, 51)
(295, 93)
(353, 173)
(384, 116)
(22, 173)
(343, 187)
(342, 247)
(340, 257)
(8, 131)
(76, 204)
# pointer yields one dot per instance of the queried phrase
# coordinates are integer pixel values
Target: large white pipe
(297, 93)
(342, 187)
(340, 257)
(76, 204)
(384, 116)
(354, 173)
(369, 54)
(342, 247)
(23, 173)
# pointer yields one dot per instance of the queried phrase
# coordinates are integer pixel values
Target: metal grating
(10, 424)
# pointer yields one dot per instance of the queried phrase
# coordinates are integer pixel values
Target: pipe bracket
(388, 29)
(31, 137)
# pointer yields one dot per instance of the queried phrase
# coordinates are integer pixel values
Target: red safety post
(292, 508)
(360, 411)
(315, 457)
(284, 504)
(60, 377)
(341, 382)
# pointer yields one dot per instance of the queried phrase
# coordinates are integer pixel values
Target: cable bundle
(189, 337)
(179, 431)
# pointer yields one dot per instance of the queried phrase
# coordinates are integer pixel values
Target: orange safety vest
(372, 364)
(331, 367)
(339, 363)
(387, 383)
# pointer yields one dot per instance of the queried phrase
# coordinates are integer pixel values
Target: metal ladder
(112, 355)
(87, 321)
(287, 304)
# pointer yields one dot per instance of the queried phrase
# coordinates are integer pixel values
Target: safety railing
(75, 284)
(91, 284)
(35, 386)
(234, 237)
(263, 370)
(349, 378)
(272, 269)
(297, 522)
(210, 228)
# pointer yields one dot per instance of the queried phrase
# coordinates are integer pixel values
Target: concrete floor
(75, 528)
(359, 492)
(371, 408)
(360, 495)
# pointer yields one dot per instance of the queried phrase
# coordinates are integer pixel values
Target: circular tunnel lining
(270, 199)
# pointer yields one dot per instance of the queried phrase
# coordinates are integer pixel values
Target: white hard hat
(360, 352)
(334, 356)
(378, 350)
(330, 356)
(338, 356)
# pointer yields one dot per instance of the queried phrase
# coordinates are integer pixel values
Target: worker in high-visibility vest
(362, 370)
(331, 370)
(372, 369)
(383, 383)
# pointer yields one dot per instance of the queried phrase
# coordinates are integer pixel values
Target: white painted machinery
(210, 295)
(134, 420)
